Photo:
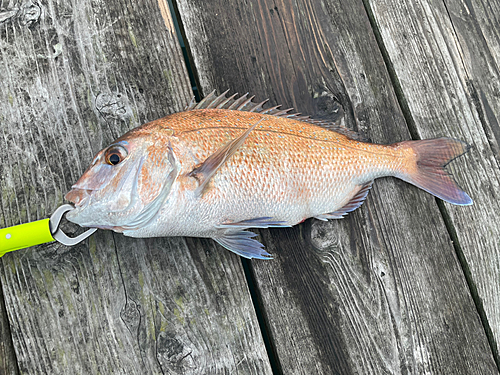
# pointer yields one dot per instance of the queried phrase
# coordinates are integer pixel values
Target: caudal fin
(429, 174)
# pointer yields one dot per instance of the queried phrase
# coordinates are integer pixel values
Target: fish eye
(115, 154)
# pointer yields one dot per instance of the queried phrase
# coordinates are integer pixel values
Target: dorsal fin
(245, 103)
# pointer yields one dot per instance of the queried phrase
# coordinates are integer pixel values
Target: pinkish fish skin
(216, 172)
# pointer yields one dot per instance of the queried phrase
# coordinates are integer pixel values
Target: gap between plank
(186, 52)
(449, 224)
(470, 282)
(247, 267)
(403, 103)
(475, 96)
(259, 312)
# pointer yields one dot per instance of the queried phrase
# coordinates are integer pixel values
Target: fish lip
(78, 196)
(81, 186)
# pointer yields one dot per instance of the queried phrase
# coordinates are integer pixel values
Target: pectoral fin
(242, 243)
(258, 222)
(208, 168)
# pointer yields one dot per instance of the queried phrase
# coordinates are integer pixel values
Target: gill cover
(154, 181)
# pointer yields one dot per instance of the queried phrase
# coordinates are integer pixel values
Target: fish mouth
(79, 197)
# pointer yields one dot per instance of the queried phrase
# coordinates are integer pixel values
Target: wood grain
(450, 80)
(75, 75)
(382, 290)
(8, 361)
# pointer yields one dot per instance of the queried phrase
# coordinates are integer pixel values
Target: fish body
(214, 172)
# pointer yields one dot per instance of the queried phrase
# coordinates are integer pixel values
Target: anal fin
(353, 204)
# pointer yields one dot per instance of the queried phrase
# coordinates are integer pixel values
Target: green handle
(25, 235)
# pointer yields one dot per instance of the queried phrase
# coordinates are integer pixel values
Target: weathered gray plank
(450, 79)
(75, 75)
(8, 361)
(380, 291)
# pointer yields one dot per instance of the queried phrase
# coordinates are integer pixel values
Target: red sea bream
(225, 165)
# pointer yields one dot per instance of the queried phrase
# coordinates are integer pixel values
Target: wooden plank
(380, 291)
(8, 361)
(477, 32)
(450, 80)
(75, 75)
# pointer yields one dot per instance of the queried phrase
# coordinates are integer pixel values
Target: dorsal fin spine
(208, 99)
(238, 101)
(220, 99)
(268, 111)
(259, 107)
(221, 105)
(242, 105)
(245, 103)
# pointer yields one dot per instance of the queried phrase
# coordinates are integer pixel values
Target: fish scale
(271, 165)
(211, 171)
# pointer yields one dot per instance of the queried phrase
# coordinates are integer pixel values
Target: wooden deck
(405, 285)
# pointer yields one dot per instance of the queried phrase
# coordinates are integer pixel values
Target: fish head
(125, 185)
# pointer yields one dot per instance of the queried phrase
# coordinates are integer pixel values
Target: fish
(226, 165)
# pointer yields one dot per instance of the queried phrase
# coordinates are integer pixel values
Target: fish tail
(426, 169)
